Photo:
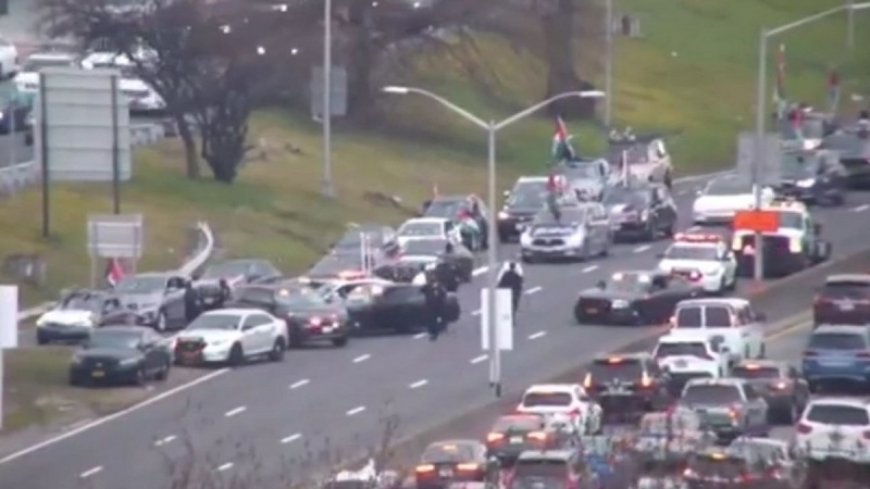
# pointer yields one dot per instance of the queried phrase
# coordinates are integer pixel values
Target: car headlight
(806, 182)
(795, 245)
(620, 304)
(503, 215)
(129, 362)
(525, 239)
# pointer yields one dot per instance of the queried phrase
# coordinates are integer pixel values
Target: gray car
(579, 233)
(588, 178)
(156, 298)
(729, 407)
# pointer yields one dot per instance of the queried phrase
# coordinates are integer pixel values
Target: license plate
(846, 306)
(516, 439)
(591, 310)
(98, 374)
(445, 473)
(681, 364)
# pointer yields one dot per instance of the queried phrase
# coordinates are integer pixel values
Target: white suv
(563, 400)
(835, 428)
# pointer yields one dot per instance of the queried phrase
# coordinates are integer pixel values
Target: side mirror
(761, 317)
(601, 284)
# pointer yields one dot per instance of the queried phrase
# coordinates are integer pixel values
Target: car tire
(278, 349)
(163, 373)
(340, 342)
(161, 323)
(236, 357)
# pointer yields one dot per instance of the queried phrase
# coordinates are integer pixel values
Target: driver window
(175, 283)
(110, 305)
(250, 322)
(750, 392)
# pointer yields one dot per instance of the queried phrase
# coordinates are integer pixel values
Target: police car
(795, 245)
(702, 258)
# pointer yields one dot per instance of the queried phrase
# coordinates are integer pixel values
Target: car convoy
(706, 391)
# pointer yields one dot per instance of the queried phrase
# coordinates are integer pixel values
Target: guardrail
(192, 263)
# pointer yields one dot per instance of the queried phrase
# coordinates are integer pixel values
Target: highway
(285, 421)
(10, 155)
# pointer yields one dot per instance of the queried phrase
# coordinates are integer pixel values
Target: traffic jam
(696, 411)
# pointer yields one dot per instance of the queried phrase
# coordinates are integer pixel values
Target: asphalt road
(285, 421)
(13, 150)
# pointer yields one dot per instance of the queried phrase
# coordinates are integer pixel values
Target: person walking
(511, 278)
(436, 304)
(191, 302)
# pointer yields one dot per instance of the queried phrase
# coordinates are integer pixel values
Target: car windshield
(712, 394)
(220, 322)
(122, 340)
(425, 247)
(517, 423)
(603, 371)
(447, 453)
(141, 285)
(846, 289)
(629, 283)
(627, 196)
(421, 228)
(690, 317)
(539, 474)
(755, 372)
(333, 264)
(79, 302)
(729, 186)
(568, 217)
(791, 220)
(528, 195)
(811, 128)
(824, 340)
(838, 414)
(849, 145)
(228, 269)
(695, 349)
(692, 252)
(547, 399)
(446, 208)
(353, 239)
(36, 64)
(799, 166)
(301, 300)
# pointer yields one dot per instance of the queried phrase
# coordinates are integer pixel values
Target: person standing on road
(225, 292)
(511, 278)
(436, 304)
(191, 302)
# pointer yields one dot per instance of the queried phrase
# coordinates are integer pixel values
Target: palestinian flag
(562, 149)
(779, 89)
(114, 271)
(833, 90)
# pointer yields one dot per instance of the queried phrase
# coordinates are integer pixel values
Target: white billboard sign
(504, 319)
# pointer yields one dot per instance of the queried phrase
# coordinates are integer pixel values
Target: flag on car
(779, 88)
(562, 149)
(796, 118)
(114, 271)
(834, 90)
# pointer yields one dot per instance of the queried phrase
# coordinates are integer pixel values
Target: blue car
(837, 354)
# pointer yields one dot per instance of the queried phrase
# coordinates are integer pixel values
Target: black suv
(814, 177)
(627, 385)
(844, 299)
(522, 204)
(641, 211)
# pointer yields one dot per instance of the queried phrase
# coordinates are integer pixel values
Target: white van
(730, 323)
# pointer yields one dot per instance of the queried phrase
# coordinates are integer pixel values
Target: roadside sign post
(8, 329)
(114, 237)
(497, 335)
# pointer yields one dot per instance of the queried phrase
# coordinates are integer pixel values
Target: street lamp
(761, 106)
(491, 127)
(328, 187)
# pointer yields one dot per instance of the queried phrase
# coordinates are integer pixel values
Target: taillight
(689, 474)
(775, 473)
(315, 321)
(804, 428)
(537, 436)
(467, 467)
(587, 381)
(422, 469)
(645, 381)
(333, 318)
(494, 437)
(575, 412)
(735, 411)
(781, 385)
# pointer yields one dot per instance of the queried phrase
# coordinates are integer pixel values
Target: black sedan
(309, 316)
(641, 211)
(396, 306)
(121, 354)
(813, 177)
(633, 297)
(527, 198)
(453, 267)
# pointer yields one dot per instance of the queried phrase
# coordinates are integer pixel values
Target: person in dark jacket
(436, 306)
(191, 302)
(511, 278)
(225, 292)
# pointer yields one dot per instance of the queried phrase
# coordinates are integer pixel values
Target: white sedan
(428, 228)
(231, 336)
(724, 196)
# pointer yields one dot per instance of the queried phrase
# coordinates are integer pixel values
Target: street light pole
(608, 64)
(850, 27)
(328, 188)
(491, 128)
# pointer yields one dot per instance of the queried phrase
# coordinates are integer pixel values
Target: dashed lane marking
(91, 472)
(355, 411)
(534, 290)
(225, 467)
(476, 313)
(478, 359)
(300, 383)
(361, 358)
(590, 268)
(479, 271)
(861, 208)
(235, 411)
(420, 336)
(291, 438)
(164, 441)
(641, 249)
(539, 334)
(418, 384)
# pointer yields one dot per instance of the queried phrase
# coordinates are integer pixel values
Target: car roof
(733, 381)
(153, 274)
(124, 329)
(841, 401)
(638, 355)
(546, 455)
(754, 440)
(231, 311)
(841, 328)
(51, 55)
(714, 301)
(457, 441)
(688, 336)
(530, 179)
(540, 388)
(452, 198)
(848, 277)
(426, 219)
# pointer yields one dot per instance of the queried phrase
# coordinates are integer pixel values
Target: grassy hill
(690, 75)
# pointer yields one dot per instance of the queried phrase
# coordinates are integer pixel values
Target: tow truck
(791, 239)
(701, 258)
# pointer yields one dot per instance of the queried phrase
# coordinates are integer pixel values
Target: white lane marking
(481, 358)
(106, 419)
(418, 384)
(476, 313)
(235, 411)
(361, 358)
(92, 471)
(164, 441)
(479, 271)
(641, 249)
(300, 383)
(355, 411)
(590, 268)
(226, 466)
(861, 208)
(534, 290)
(420, 336)
(291, 438)
(539, 334)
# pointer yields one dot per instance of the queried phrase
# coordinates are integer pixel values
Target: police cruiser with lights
(702, 258)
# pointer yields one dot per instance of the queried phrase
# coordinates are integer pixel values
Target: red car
(844, 299)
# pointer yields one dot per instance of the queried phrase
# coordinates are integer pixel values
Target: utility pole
(850, 28)
(608, 64)
(328, 187)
